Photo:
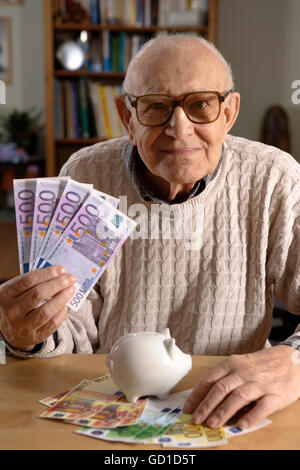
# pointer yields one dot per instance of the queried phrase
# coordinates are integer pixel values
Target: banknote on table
(73, 196)
(47, 194)
(116, 413)
(185, 434)
(107, 386)
(232, 431)
(82, 402)
(144, 431)
(156, 418)
(89, 243)
(24, 196)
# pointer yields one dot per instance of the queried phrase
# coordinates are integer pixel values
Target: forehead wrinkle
(155, 70)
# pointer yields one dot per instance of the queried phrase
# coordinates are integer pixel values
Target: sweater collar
(134, 163)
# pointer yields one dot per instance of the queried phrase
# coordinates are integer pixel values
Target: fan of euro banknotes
(63, 222)
(102, 412)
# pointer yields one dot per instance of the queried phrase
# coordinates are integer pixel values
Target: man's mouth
(181, 150)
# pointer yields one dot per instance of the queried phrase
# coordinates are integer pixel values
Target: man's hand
(25, 318)
(270, 377)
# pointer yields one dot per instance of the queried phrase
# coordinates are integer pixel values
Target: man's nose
(179, 125)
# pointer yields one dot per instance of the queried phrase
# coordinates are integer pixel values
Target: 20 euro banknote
(89, 243)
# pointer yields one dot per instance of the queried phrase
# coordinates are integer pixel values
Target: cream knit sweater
(217, 299)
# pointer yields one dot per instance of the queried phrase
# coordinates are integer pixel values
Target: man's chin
(186, 176)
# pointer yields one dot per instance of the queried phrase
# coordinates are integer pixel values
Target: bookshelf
(60, 143)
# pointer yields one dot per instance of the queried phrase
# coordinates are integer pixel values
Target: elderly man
(216, 297)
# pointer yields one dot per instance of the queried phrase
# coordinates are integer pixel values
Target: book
(56, 109)
(147, 13)
(69, 110)
(106, 51)
(61, 110)
(140, 6)
(105, 112)
(96, 100)
(94, 12)
(126, 15)
(95, 56)
(115, 52)
(83, 109)
(75, 109)
(122, 52)
(112, 112)
(154, 12)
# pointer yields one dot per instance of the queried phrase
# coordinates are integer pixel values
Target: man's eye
(198, 105)
(157, 106)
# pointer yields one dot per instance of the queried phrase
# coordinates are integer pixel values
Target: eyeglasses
(201, 107)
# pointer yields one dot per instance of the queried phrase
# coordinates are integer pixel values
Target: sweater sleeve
(283, 263)
(78, 333)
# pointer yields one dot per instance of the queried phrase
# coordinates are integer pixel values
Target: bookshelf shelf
(63, 87)
(129, 29)
(84, 73)
(90, 141)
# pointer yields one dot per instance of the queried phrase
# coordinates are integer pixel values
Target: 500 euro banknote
(24, 196)
(47, 194)
(89, 243)
(71, 199)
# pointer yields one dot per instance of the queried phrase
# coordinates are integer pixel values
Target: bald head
(168, 54)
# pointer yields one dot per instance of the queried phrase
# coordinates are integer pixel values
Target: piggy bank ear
(166, 333)
(170, 347)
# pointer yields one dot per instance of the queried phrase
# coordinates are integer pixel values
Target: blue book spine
(106, 37)
(75, 109)
(140, 13)
(94, 12)
(122, 51)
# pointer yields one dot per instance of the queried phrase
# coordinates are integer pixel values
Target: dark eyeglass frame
(134, 103)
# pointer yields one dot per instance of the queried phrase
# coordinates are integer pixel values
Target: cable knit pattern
(217, 299)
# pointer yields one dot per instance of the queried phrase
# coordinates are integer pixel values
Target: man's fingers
(204, 385)
(32, 298)
(50, 327)
(238, 399)
(264, 407)
(24, 282)
(220, 390)
(42, 322)
(47, 312)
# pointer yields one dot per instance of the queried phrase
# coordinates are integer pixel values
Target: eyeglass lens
(199, 107)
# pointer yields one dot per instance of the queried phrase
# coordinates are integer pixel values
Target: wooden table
(24, 382)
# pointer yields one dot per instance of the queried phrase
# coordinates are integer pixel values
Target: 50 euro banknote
(89, 243)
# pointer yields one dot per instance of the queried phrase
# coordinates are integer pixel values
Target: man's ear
(231, 110)
(125, 116)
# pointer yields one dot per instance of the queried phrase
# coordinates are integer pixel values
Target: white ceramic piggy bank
(147, 364)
